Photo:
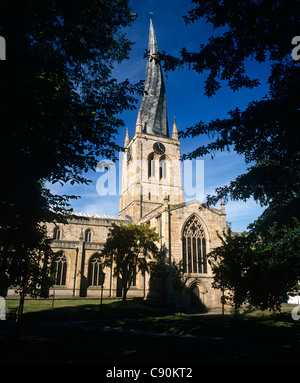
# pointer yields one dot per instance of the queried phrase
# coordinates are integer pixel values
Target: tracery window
(95, 270)
(60, 269)
(194, 247)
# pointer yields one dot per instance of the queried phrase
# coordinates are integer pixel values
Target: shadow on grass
(135, 308)
(280, 330)
(258, 336)
(40, 344)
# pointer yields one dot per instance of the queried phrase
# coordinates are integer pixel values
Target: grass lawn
(84, 309)
(254, 337)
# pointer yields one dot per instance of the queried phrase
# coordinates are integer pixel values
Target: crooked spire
(153, 111)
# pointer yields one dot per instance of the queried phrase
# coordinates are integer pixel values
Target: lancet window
(151, 166)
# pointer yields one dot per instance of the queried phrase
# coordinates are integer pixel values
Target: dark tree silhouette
(266, 133)
(59, 111)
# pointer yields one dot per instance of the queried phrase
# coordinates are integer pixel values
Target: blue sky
(185, 100)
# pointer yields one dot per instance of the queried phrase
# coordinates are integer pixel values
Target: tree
(259, 272)
(266, 132)
(230, 264)
(275, 271)
(60, 108)
(128, 249)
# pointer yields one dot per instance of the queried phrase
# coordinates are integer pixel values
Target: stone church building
(152, 194)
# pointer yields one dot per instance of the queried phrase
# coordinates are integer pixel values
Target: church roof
(153, 111)
(102, 216)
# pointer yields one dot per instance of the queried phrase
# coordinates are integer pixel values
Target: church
(151, 193)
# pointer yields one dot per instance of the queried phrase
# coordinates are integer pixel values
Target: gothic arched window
(194, 247)
(95, 269)
(60, 269)
(151, 165)
(88, 235)
(162, 167)
(56, 233)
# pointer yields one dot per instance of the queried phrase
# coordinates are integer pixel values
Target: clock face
(159, 148)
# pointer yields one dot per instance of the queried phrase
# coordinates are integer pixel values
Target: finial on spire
(138, 126)
(151, 13)
(126, 138)
(222, 206)
(175, 130)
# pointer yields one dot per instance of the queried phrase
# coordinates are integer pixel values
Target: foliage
(265, 133)
(25, 252)
(260, 272)
(276, 271)
(128, 249)
(230, 264)
(60, 108)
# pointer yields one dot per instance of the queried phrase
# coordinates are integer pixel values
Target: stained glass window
(95, 269)
(194, 247)
(60, 268)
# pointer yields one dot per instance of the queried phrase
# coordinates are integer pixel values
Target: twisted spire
(153, 111)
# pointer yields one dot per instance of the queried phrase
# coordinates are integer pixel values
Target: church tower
(151, 169)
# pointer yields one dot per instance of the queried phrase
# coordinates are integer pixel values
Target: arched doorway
(197, 296)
